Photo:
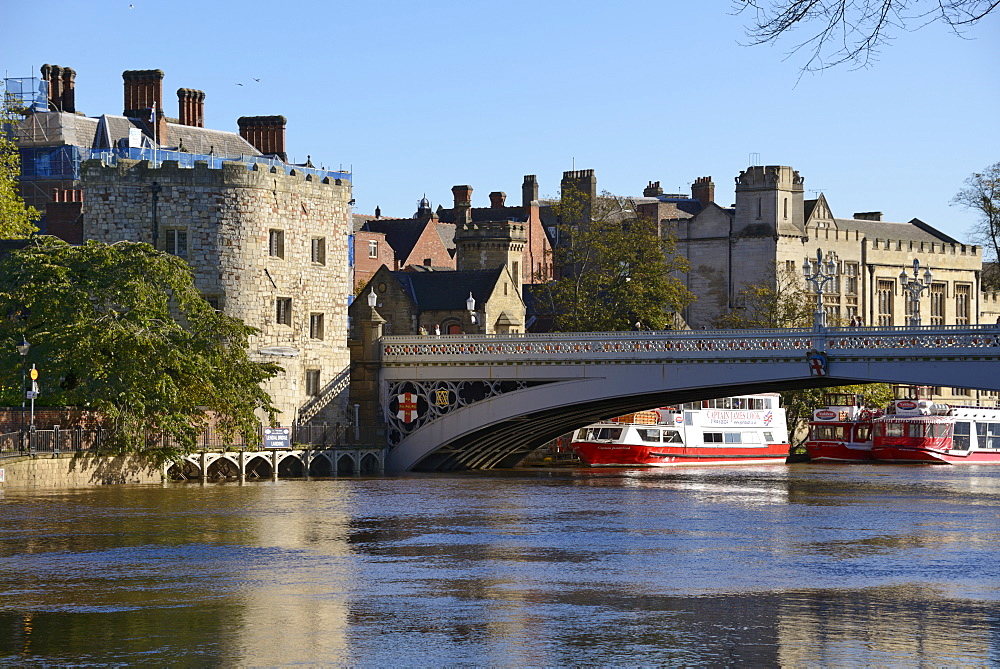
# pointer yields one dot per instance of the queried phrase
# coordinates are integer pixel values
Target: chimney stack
(652, 190)
(191, 107)
(265, 133)
(529, 190)
(463, 204)
(143, 93)
(868, 216)
(497, 199)
(703, 190)
(62, 84)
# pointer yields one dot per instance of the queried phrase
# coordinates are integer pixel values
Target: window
(315, 326)
(734, 438)
(214, 301)
(963, 291)
(372, 249)
(177, 243)
(312, 382)
(784, 213)
(789, 265)
(649, 434)
(283, 310)
(963, 433)
(758, 207)
(516, 271)
(319, 250)
(276, 243)
(885, 291)
(851, 278)
(937, 304)
(713, 437)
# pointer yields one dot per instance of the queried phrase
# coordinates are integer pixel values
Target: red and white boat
(741, 430)
(920, 431)
(842, 430)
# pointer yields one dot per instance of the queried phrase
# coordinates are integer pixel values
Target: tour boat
(920, 431)
(740, 430)
(841, 431)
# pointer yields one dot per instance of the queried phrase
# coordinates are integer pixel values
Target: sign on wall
(277, 437)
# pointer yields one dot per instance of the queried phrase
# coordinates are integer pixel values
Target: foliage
(17, 220)
(780, 302)
(121, 329)
(615, 268)
(982, 195)
(852, 31)
(783, 302)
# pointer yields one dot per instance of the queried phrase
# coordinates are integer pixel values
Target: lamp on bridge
(372, 298)
(23, 349)
(470, 305)
(819, 274)
(915, 287)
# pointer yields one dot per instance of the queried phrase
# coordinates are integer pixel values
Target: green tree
(17, 220)
(121, 329)
(614, 267)
(852, 31)
(783, 302)
(982, 195)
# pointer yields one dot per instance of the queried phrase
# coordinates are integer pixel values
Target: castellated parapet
(265, 246)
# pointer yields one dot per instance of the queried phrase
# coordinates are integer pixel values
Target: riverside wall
(71, 470)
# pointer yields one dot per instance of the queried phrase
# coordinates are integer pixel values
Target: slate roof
(448, 291)
(915, 230)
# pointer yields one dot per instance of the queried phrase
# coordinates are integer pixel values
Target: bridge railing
(716, 343)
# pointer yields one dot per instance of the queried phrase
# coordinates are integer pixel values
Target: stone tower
(265, 245)
(769, 202)
(486, 244)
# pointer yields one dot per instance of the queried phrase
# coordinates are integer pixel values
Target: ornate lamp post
(23, 349)
(915, 287)
(470, 305)
(819, 274)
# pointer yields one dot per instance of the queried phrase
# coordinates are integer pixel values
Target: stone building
(771, 227)
(267, 240)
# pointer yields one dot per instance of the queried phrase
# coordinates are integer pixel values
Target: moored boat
(920, 431)
(841, 431)
(745, 429)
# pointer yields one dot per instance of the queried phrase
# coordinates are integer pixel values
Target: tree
(782, 301)
(614, 268)
(982, 195)
(121, 329)
(852, 31)
(17, 220)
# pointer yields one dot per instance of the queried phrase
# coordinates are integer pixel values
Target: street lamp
(23, 349)
(915, 287)
(372, 298)
(819, 274)
(470, 305)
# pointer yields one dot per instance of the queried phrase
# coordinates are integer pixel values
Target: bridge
(485, 401)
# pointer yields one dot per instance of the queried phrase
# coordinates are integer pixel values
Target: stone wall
(225, 223)
(71, 471)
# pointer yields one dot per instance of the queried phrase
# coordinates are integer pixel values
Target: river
(776, 565)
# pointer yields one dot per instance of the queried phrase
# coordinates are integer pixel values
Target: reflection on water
(804, 565)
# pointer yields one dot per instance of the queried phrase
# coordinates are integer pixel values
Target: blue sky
(417, 97)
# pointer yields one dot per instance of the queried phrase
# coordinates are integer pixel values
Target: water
(799, 565)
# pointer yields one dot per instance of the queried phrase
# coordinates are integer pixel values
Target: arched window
(758, 207)
(785, 204)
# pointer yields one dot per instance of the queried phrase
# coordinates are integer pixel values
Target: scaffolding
(29, 93)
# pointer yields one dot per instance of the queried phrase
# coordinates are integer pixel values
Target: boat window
(769, 437)
(993, 435)
(751, 438)
(862, 433)
(672, 437)
(713, 437)
(939, 430)
(648, 434)
(834, 432)
(917, 429)
(895, 429)
(609, 433)
(963, 433)
(733, 438)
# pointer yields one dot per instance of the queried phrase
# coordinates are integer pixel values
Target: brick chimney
(703, 190)
(529, 190)
(463, 204)
(143, 92)
(191, 107)
(652, 190)
(868, 216)
(497, 199)
(64, 215)
(266, 133)
(62, 85)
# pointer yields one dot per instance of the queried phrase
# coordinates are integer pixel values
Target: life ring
(865, 415)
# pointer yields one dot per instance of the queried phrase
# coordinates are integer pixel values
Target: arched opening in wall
(321, 466)
(223, 469)
(345, 465)
(451, 326)
(369, 465)
(184, 471)
(291, 468)
(455, 328)
(258, 468)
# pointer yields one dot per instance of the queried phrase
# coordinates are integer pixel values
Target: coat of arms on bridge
(817, 363)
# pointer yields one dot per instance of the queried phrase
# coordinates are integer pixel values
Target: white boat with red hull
(745, 429)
